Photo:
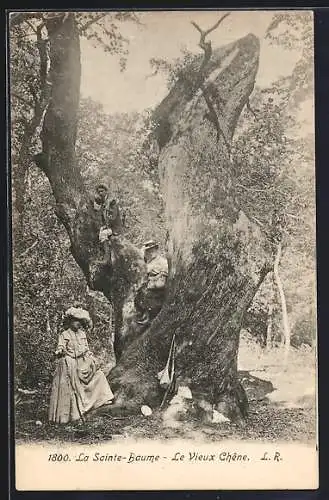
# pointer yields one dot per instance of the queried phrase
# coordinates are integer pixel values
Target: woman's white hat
(78, 313)
(148, 245)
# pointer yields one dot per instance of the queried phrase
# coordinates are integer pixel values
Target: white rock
(146, 410)
(218, 418)
(184, 392)
(38, 422)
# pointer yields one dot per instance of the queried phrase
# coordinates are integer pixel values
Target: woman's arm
(61, 346)
(88, 352)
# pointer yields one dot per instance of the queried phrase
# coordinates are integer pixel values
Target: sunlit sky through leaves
(164, 34)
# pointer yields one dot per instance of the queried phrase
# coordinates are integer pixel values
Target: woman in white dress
(78, 385)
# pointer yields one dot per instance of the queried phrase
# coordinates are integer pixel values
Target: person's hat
(148, 245)
(102, 186)
(79, 314)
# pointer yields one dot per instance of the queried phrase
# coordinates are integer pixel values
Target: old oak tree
(218, 257)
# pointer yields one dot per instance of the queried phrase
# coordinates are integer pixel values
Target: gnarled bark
(217, 256)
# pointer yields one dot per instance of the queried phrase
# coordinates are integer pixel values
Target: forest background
(128, 65)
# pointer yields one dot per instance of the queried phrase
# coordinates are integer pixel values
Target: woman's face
(102, 193)
(150, 254)
(75, 325)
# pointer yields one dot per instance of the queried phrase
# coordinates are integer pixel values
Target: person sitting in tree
(150, 297)
(111, 217)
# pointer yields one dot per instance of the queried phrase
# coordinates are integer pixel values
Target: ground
(282, 408)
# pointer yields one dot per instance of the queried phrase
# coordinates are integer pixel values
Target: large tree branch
(83, 28)
(42, 48)
(249, 108)
(206, 46)
(40, 104)
(58, 133)
(32, 27)
(215, 117)
(204, 33)
(21, 99)
(28, 249)
(19, 17)
(233, 66)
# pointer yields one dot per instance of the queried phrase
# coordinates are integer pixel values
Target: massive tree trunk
(217, 256)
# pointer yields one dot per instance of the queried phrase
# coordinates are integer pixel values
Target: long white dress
(78, 386)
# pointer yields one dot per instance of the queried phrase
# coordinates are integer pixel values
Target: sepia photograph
(164, 253)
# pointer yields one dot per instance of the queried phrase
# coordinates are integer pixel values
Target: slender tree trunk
(268, 341)
(20, 182)
(285, 319)
(269, 327)
(19, 176)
